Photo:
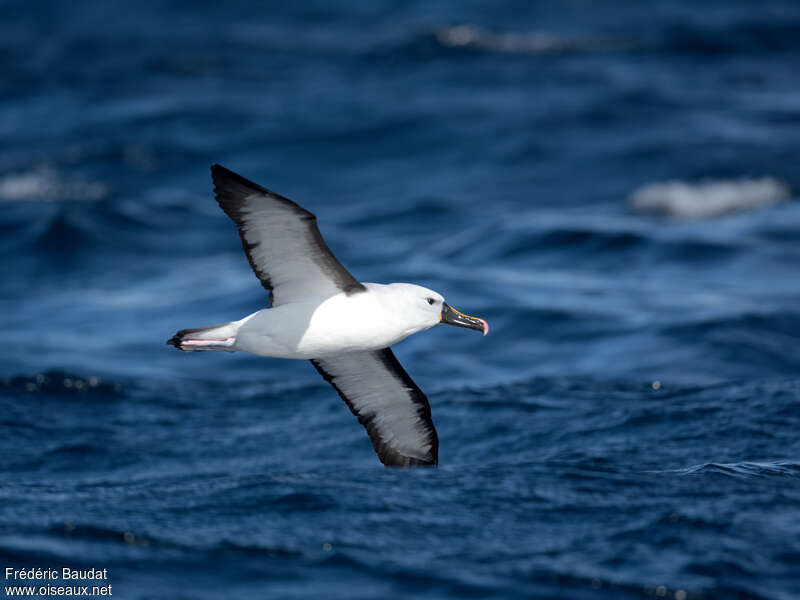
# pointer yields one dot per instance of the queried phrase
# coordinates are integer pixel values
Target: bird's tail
(215, 337)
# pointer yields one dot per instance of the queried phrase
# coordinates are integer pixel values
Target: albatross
(319, 312)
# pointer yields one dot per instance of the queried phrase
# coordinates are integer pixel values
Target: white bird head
(425, 308)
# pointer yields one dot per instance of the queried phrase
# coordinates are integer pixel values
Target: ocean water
(630, 428)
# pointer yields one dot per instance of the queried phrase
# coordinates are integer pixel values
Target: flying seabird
(319, 311)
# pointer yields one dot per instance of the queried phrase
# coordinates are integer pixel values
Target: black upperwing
(282, 242)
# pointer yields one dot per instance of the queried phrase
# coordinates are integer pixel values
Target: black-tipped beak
(452, 317)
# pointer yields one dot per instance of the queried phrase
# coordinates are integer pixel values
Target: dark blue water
(629, 429)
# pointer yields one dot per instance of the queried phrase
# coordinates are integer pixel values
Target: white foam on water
(470, 36)
(46, 185)
(708, 198)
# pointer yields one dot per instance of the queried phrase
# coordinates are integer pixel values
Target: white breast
(355, 323)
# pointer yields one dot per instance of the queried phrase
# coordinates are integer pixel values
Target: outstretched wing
(388, 404)
(282, 242)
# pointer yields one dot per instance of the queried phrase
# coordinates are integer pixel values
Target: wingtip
(218, 172)
(393, 459)
(231, 183)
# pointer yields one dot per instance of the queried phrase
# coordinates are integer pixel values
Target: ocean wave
(48, 185)
(752, 35)
(60, 383)
(593, 244)
(99, 533)
(746, 469)
(681, 38)
(576, 239)
(475, 38)
(709, 198)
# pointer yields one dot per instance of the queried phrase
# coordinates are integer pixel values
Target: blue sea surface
(630, 428)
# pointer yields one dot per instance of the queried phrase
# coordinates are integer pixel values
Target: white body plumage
(371, 320)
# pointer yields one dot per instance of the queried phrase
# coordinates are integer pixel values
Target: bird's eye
(430, 301)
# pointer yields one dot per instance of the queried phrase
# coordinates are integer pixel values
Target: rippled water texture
(629, 428)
